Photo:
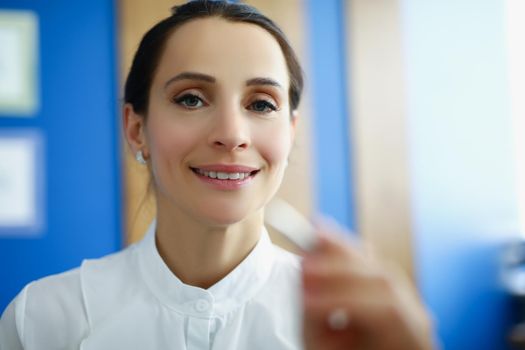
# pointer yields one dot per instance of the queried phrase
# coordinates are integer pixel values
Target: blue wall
(333, 169)
(462, 173)
(79, 124)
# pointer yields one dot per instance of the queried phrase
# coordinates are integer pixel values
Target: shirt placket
(200, 325)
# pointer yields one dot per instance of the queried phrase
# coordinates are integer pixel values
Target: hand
(379, 307)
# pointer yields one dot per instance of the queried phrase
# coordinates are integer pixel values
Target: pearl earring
(140, 157)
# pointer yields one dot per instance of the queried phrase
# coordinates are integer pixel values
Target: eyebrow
(190, 76)
(263, 81)
(209, 79)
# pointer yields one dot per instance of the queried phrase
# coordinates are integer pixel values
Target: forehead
(223, 49)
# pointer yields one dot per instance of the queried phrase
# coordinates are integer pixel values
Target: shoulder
(57, 290)
(54, 312)
(43, 307)
(65, 294)
(108, 284)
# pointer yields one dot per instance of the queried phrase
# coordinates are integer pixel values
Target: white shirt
(131, 300)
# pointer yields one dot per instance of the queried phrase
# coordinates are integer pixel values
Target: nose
(230, 131)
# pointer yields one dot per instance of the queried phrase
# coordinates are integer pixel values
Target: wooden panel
(136, 17)
(378, 123)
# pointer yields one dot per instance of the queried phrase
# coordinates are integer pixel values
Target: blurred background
(411, 134)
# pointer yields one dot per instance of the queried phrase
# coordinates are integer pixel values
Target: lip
(226, 168)
(226, 185)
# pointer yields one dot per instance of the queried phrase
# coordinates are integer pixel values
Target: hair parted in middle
(151, 47)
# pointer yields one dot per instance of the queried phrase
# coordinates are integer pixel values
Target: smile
(223, 175)
(226, 177)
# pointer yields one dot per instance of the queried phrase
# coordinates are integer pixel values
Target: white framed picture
(18, 63)
(21, 183)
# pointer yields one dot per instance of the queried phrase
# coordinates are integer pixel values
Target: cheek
(169, 143)
(274, 143)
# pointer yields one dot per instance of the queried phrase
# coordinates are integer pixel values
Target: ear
(134, 130)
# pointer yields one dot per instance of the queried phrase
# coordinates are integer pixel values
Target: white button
(202, 305)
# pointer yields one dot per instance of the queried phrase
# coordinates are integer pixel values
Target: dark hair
(147, 57)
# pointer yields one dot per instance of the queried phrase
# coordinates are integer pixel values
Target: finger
(331, 230)
(369, 313)
(331, 245)
(329, 281)
(334, 277)
(319, 336)
(330, 271)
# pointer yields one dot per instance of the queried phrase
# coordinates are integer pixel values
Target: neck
(201, 254)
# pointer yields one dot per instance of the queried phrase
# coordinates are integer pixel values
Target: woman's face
(218, 130)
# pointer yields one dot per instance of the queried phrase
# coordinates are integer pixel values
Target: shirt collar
(235, 289)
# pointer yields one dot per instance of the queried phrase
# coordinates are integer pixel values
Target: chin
(222, 221)
(223, 216)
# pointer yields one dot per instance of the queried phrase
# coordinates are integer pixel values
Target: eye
(262, 106)
(189, 101)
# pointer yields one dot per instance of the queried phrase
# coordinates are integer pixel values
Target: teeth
(223, 176)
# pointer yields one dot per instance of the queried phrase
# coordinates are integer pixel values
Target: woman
(211, 108)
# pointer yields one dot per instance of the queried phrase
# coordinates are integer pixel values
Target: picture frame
(18, 63)
(22, 180)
